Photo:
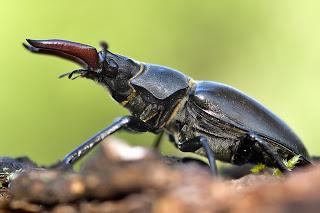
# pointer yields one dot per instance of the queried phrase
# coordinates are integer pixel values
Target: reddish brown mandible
(85, 55)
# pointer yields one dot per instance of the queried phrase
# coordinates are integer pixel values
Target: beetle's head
(108, 69)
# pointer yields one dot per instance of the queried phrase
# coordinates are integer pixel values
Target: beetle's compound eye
(111, 68)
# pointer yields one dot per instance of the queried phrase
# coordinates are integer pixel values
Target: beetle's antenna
(80, 73)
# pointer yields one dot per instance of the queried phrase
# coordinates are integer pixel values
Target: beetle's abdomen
(233, 107)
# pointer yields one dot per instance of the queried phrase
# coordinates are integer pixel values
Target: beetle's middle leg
(196, 143)
(158, 140)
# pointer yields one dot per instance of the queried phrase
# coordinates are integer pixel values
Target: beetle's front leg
(129, 123)
(196, 143)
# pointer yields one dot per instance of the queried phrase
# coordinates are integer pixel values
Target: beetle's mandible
(205, 117)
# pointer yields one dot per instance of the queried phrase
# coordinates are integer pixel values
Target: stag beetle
(205, 117)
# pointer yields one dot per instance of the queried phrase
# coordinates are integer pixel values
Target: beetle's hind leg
(196, 143)
(252, 138)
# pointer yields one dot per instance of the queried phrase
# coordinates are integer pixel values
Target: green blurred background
(268, 49)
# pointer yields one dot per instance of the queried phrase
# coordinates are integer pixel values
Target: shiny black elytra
(204, 117)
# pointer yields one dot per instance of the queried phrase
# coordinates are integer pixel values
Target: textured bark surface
(119, 178)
